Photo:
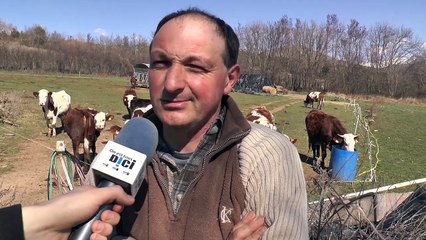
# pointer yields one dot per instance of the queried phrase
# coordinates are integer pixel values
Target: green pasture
(398, 131)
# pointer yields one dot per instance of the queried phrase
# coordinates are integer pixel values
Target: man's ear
(232, 78)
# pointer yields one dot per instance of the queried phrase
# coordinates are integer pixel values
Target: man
(54, 219)
(214, 175)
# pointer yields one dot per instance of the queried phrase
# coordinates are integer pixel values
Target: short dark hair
(232, 44)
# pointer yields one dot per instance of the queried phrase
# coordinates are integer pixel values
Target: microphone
(122, 162)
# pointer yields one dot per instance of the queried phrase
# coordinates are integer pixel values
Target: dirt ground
(27, 182)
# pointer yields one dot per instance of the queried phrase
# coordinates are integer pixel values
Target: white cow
(54, 105)
(349, 141)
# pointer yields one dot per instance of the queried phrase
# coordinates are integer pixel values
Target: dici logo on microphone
(120, 160)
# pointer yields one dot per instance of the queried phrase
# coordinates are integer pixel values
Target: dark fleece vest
(213, 203)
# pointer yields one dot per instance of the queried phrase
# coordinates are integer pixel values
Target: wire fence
(362, 128)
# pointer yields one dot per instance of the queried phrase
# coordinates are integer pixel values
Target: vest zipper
(220, 146)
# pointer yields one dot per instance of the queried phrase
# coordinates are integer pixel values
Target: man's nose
(175, 78)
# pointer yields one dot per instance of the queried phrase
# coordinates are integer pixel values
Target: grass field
(398, 128)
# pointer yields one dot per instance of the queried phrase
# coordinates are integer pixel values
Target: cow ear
(337, 140)
(109, 117)
(356, 138)
(35, 94)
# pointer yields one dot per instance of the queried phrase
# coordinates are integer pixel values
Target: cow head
(115, 130)
(101, 118)
(128, 99)
(140, 111)
(137, 113)
(42, 96)
(307, 101)
(348, 141)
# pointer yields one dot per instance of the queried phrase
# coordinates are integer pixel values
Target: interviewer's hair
(232, 43)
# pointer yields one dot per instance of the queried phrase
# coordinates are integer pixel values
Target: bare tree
(389, 47)
(352, 49)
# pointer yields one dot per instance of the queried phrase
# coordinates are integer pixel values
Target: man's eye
(196, 68)
(159, 64)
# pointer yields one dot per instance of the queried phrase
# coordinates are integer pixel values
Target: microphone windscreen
(139, 134)
(122, 162)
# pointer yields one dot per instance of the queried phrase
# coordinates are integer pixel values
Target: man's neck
(183, 140)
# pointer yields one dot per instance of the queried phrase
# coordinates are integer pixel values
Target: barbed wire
(363, 123)
(31, 140)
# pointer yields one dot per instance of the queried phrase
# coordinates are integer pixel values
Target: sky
(128, 17)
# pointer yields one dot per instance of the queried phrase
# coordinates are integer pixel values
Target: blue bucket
(343, 164)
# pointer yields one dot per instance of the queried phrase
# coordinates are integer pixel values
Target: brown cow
(84, 126)
(325, 130)
(133, 81)
(315, 97)
(115, 130)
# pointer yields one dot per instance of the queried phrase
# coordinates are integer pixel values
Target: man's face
(187, 76)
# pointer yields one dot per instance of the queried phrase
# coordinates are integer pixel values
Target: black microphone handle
(84, 230)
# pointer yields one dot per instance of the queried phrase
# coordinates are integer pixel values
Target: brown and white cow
(139, 107)
(84, 126)
(54, 105)
(115, 130)
(324, 130)
(315, 97)
(262, 116)
(128, 97)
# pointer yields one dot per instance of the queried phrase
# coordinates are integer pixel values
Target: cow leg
(323, 154)
(315, 151)
(53, 125)
(49, 129)
(62, 122)
(75, 144)
(94, 149)
(86, 147)
(86, 155)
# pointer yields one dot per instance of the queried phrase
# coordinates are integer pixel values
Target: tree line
(299, 55)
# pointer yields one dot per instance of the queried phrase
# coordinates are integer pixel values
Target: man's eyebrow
(159, 53)
(199, 59)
